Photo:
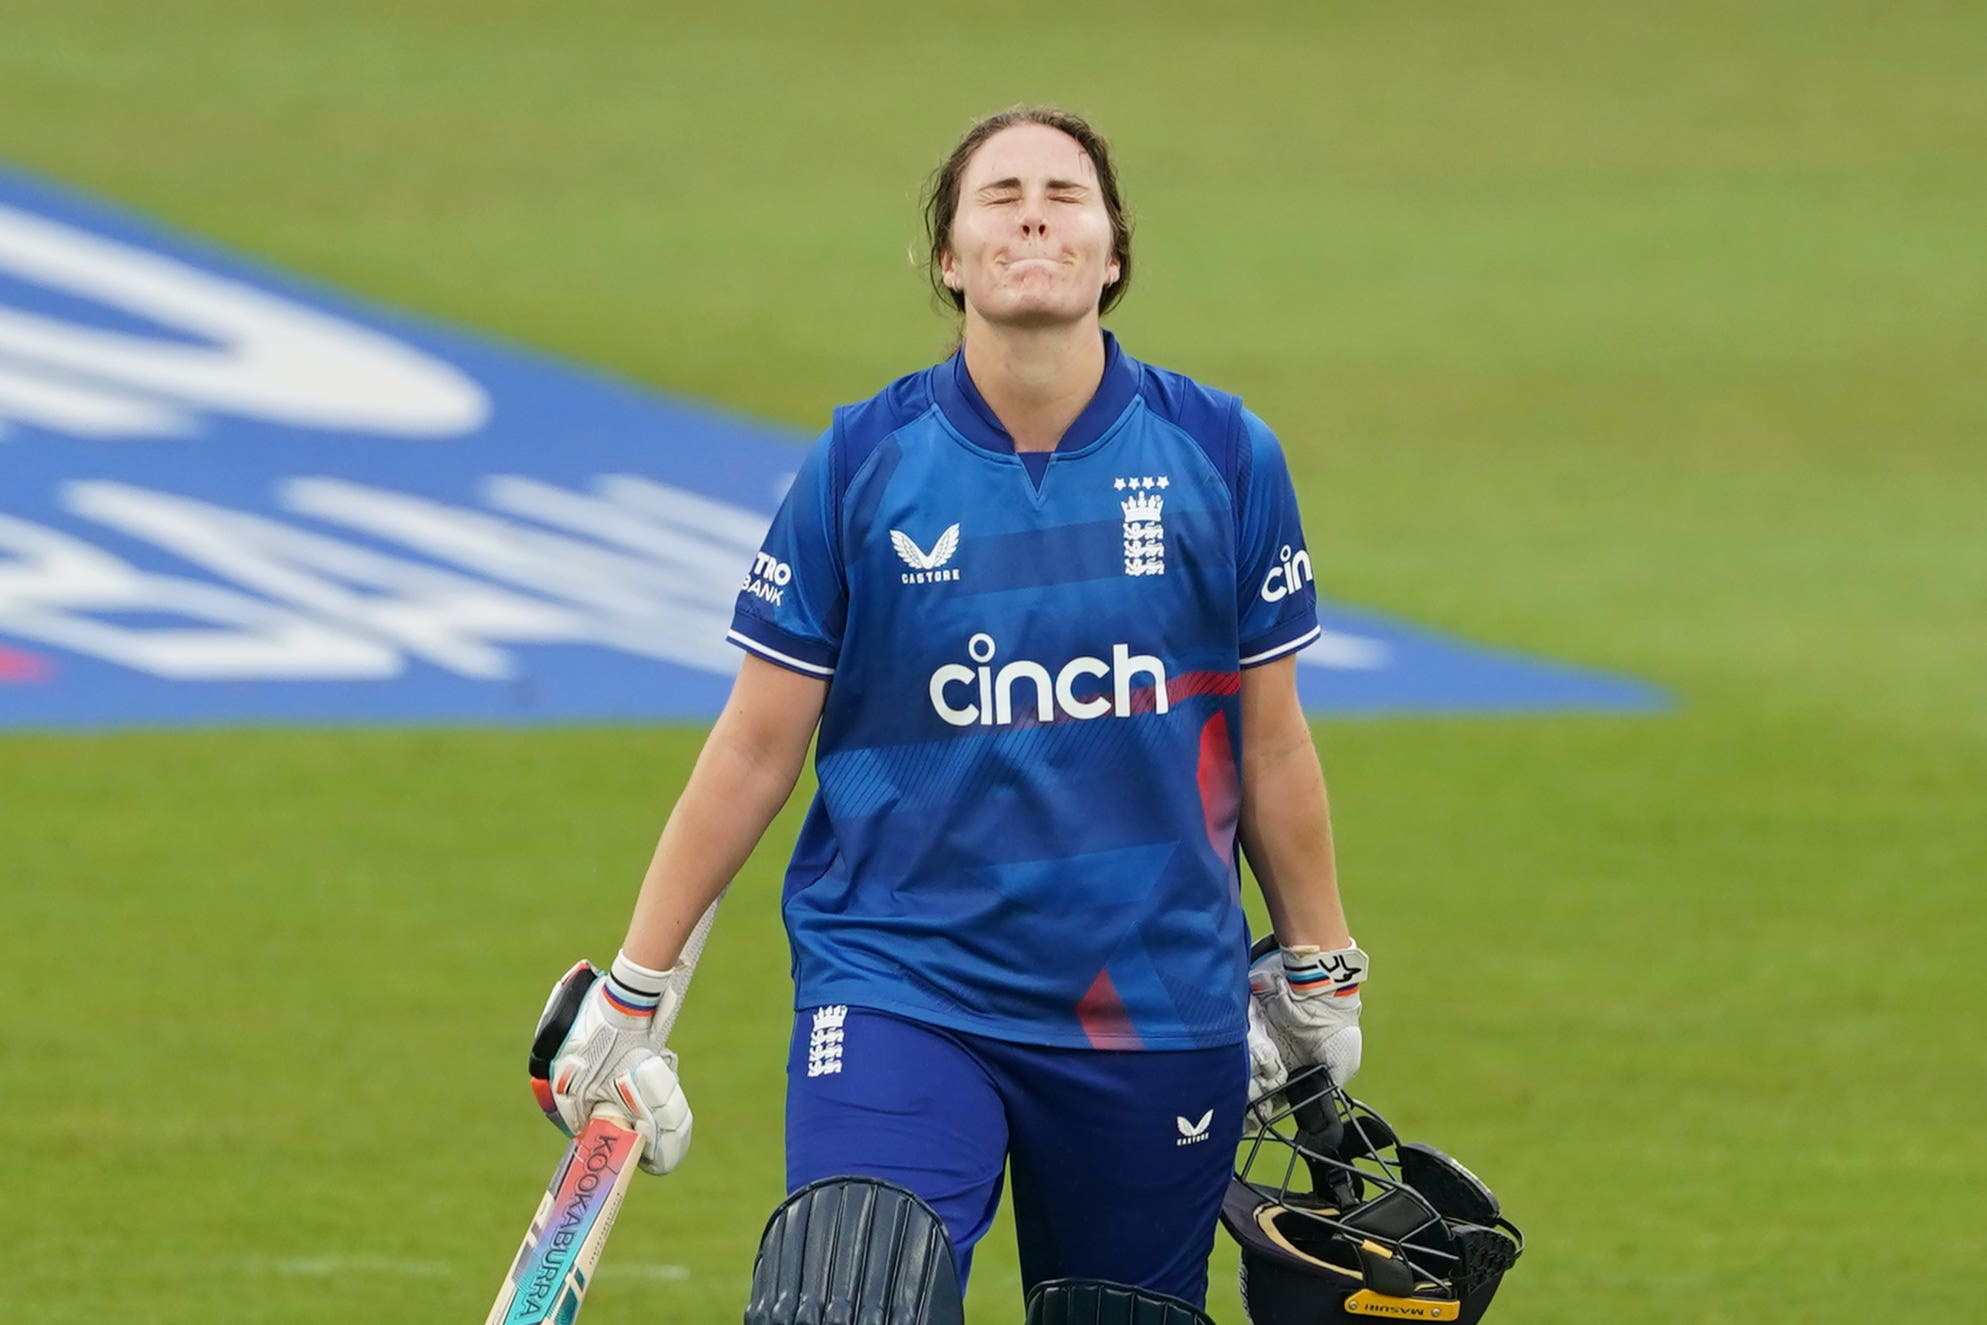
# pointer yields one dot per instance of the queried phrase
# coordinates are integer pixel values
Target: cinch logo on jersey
(989, 694)
(768, 579)
(1290, 574)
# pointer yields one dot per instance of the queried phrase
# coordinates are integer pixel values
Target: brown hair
(941, 194)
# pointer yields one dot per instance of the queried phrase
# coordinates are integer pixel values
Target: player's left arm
(1304, 988)
(1285, 822)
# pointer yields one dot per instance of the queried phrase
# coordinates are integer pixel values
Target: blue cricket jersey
(1028, 757)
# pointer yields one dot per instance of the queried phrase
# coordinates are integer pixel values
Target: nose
(1034, 219)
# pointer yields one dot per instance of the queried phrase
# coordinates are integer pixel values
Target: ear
(949, 272)
(1111, 274)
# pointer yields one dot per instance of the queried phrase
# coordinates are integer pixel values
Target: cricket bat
(556, 1262)
(563, 1245)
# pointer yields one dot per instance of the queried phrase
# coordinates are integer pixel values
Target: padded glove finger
(651, 1095)
(1266, 1071)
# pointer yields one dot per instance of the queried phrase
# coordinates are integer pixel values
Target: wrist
(1328, 933)
(633, 989)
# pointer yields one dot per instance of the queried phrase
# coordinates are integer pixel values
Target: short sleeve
(1276, 596)
(794, 599)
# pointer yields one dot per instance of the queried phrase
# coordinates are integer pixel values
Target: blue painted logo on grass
(230, 497)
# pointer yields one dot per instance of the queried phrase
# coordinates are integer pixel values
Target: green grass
(1648, 338)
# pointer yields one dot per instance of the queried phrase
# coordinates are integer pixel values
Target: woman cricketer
(1041, 603)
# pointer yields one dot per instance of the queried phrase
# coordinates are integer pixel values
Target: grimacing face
(1031, 239)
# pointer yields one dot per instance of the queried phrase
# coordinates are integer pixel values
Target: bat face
(556, 1262)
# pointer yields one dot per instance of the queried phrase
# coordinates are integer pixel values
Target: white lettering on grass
(244, 351)
(59, 590)
(410, 579)
(439, 616)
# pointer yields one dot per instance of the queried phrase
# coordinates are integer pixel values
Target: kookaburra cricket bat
(563, 1245)
(555, 1265)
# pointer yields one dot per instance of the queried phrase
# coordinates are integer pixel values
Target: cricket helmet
(1338, 1219)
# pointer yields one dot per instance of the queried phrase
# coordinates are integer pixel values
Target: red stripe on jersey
(1220, 785)
(1102, 1015)
(1186, 685)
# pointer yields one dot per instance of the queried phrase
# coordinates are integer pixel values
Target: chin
(1039, 311)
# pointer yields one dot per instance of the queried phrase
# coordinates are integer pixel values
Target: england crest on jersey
(1144, 504)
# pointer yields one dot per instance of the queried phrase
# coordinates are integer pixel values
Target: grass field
(1646, 337)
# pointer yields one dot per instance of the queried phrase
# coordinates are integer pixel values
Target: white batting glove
(597, 1051)
(1303, 1011)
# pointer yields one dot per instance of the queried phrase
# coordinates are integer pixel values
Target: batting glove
(597, 1051)
(1304, 1011)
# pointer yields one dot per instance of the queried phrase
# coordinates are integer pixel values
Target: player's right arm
(601, 1039)
(788, 619)
(748, 768)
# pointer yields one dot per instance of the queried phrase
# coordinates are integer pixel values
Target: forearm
(741, 780)
(1286, 833)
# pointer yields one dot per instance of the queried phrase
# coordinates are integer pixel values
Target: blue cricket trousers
(1119, 1159)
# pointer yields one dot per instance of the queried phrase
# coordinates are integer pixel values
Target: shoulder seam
(1198, 451)
(837, 484)
(842, 479)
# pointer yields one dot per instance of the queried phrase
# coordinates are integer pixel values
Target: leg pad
(854, 1251)
(1100, 1302)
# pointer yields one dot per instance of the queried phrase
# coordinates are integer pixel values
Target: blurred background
(1649, 339)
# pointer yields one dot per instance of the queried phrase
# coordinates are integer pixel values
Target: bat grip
(686, 966)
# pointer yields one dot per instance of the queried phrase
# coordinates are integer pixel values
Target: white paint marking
(332, 1266)
(246, 352)
(671, 1273)
(1349, 653)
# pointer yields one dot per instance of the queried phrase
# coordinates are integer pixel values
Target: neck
(1035, 379)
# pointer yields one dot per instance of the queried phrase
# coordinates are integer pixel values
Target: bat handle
(686, 964)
